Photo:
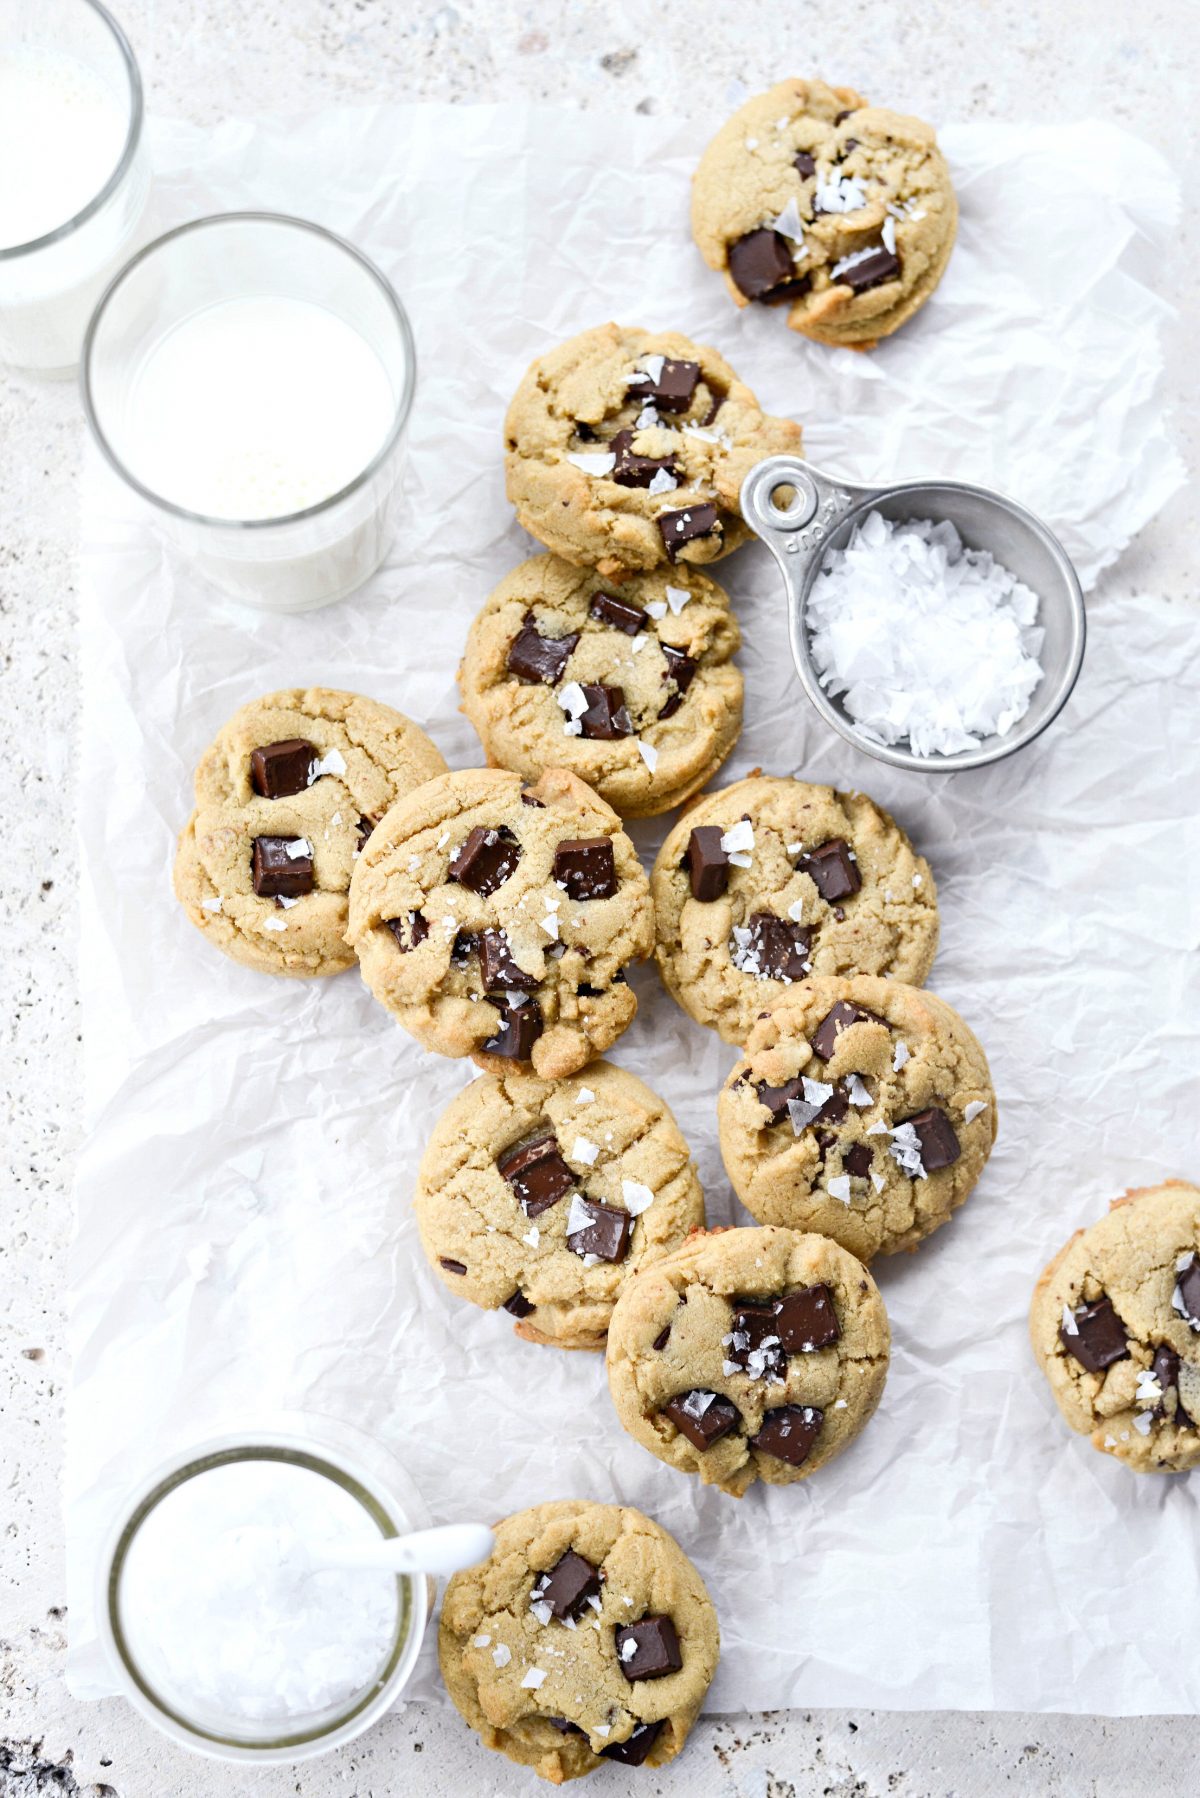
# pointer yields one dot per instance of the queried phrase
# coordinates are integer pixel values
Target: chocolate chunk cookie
(770, 880)
(627, 449)
(587, 1637)
(842, 211)
(748, 1355)
(861, 1108)
(285, 799)
(497, 920)
(1115, 1326)
(553, 639)
(544, 1197)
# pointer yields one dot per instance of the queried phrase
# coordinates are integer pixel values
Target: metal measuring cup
(821, 514)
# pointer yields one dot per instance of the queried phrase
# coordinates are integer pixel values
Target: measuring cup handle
(795, 534)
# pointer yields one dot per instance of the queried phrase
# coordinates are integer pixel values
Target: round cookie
(861, 1108)
(586, 1637)
(497, 920)
(1115, 1326)
(544, 1197)
(627, 449)
(748, 1355)
(768, 880)
(841, 210)
(285, 799)
(633, 691)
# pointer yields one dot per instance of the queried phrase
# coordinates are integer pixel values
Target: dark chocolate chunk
(518, 1030)
(805, 165)
(586, 867)
(718, 400)
(365, 827)
(834, 1109)
(518, 1305)
(632, 1752)
(537, 1173)
(648, 1649)
(761, 263)
(778, 1098)
(851, 143)
(840, 1018)
(465, 945)
(935, 1133)
(570, 1581)
(831, 870)
(632, 470)
(1165, 1369)
(778, 946)
(1188, 1285)
(606, 1233)
(707, 863)
(681, 670)
(278, 770)
(789, 1432)
(847, 114)
(756, 1345)
(680, 528)
(673, 390)
(663, 1337)
(806, 1320)
(858, 1160)
(486, 860)
(703, 1417)
(409, 930)
(881, 265)
(497, 969)
(565, 1727)
(605, 717)
(618, 612)
(528, 798)
(532, 657)
(279, 874)
(1098, 1338)
(452, 1267)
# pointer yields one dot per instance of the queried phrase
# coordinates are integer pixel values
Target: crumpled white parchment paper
(245, 1237)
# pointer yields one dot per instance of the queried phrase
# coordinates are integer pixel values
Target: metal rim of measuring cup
(798, 535)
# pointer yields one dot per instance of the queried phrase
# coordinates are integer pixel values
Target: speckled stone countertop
(1007, 59)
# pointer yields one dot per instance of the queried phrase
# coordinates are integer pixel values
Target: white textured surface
(208, 59)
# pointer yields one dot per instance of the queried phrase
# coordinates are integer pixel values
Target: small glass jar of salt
(226, 1618)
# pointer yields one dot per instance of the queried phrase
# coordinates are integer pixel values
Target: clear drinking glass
(250, 375)
(74, 174)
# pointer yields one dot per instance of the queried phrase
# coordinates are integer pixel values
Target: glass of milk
(222, 1622)
(74, 176)
(250, 376)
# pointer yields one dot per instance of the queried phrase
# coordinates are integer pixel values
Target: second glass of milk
(250, 375)
(74, 177)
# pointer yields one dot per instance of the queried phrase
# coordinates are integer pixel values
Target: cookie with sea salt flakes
(627, 449)
(749, 1355)
(586, 1637)
(543, 1197)
(842, 211)
(634, 690)
(767, 881)
(860, 1108)
(286, 796)
(497, 920)
(1115, 1327)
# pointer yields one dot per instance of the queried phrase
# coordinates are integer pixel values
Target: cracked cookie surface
(531, 1641)
(861, 1108)
(500, 1186)
(635, 691)
(308, 767)
(766, 881)
(496, 920)
(749, 1354)
(1115, 1327)
(626, 449)
(811, 197)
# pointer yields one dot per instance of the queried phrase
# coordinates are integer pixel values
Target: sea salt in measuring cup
(250, 375)
(241, 1604)
(74, 175)
(802, 515)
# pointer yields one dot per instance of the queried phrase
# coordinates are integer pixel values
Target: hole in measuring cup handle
(779, 494)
